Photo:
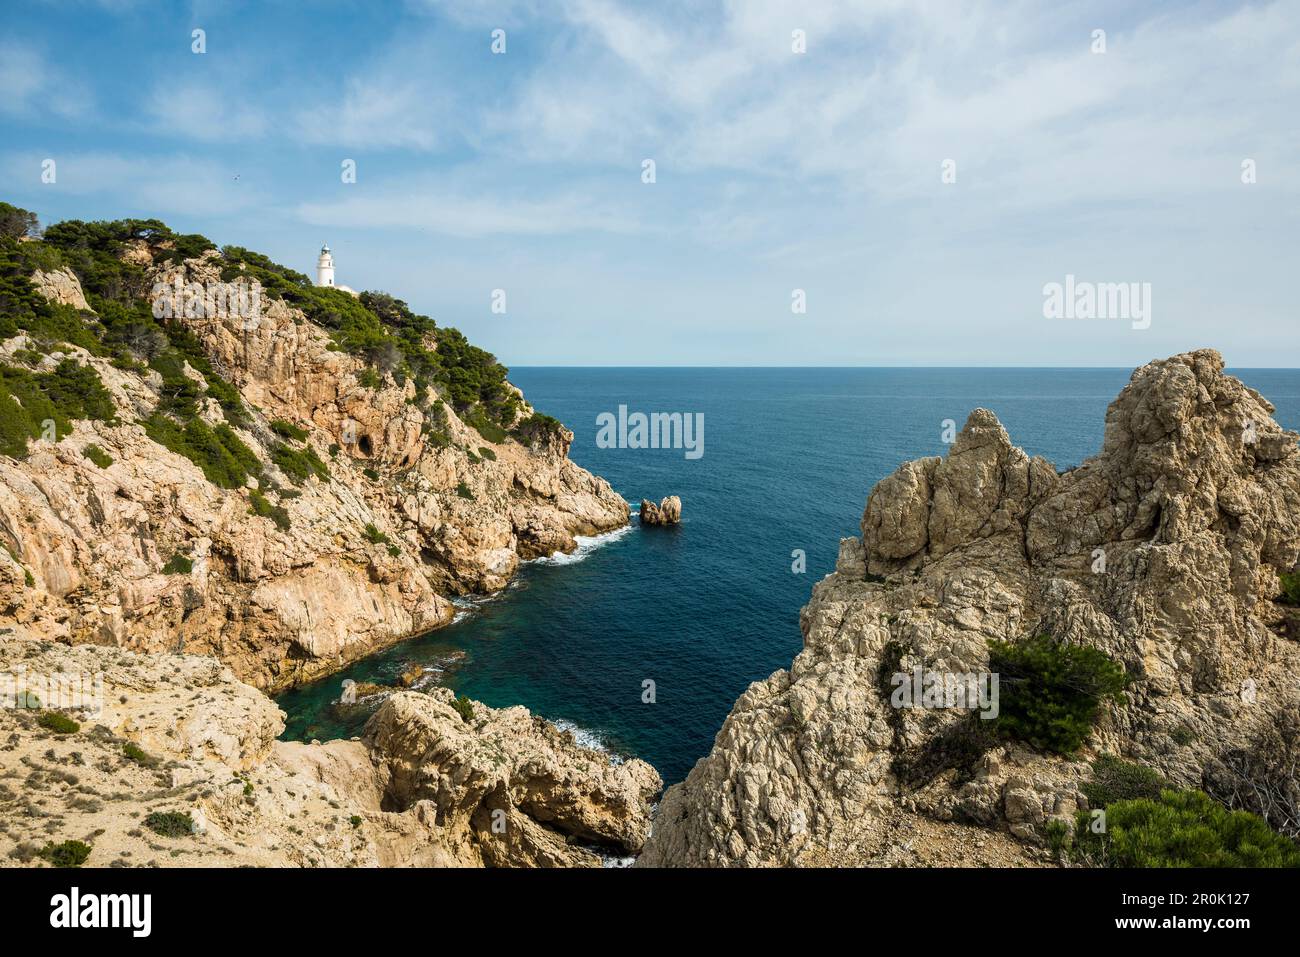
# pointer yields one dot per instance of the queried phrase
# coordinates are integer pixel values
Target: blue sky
(775, 171)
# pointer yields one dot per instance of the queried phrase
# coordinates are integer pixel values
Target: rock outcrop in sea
(1163, 551)
(667, 512)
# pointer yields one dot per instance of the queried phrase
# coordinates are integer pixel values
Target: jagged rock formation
(421, 788)
(1163, 551)
(61, 285)
(507, 787)
(370, 554)
(667, 512)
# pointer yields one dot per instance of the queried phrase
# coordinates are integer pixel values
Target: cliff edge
(1163, 551)
(287, 490)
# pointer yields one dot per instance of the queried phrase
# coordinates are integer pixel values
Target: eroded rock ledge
(423, 786)
(1191, 506)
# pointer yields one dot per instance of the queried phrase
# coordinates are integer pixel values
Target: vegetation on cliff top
(382, 330)
(393, 341)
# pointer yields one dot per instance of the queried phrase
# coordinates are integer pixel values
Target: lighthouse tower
(325, 268)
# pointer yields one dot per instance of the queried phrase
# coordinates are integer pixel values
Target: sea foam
(586, 545)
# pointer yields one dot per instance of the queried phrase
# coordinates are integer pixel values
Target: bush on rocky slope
(1114, 779)
(170, 823)
(1290, 588)
(1180, 829)
(1051, 692)
(261, 506)
(29, 400)
(1264, 777)
(65, 854)
(299, 464)
(225, 460)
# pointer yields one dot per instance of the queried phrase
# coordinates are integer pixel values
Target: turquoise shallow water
(708, 607)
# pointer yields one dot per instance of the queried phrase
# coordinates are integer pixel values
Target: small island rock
(667, 512)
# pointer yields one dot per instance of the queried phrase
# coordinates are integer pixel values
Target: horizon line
(525, 365)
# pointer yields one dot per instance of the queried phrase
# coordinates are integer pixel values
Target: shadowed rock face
(423, 787)
(1163, 551)
(280, 606)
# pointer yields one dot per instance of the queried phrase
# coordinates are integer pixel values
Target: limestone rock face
(1163, 551)
(85, 547)
(179, 733)
(61, 286)
(506, 787)
(667, 512)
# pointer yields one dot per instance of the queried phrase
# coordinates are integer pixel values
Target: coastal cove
(705, 608)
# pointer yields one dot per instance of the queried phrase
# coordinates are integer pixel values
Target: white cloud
(202, 112)
(467, 210)
(30, 85)
(141, 186)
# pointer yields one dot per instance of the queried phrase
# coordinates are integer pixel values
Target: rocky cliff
(111, 538)
(175, 762)
(1163, 551)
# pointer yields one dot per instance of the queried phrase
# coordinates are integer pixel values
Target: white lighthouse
(325, 272)
(325, 267)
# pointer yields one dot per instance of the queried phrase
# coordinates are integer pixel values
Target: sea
(642, 639)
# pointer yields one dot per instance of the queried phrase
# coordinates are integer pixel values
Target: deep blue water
(708, 607)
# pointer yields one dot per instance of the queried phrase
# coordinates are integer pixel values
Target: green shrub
(225, 460)
(287, 430)
(464, 707)
(170, 823)
(478, 418)
(27, 574)
(463, 491)
(67, 854)
(261, 506)
(538, 427)
(487, 454)
(374, 536)
(369, 378)
(1058, 837)
(1180, 829)
(297, 464)
(1114, 779)
(355, 820)
(178, 564)
(97, 455)
(30, 399)
(394, 551)
(1290, 588)
(58, 723)
(370, 474)
(1050, 693)
(133, 752)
